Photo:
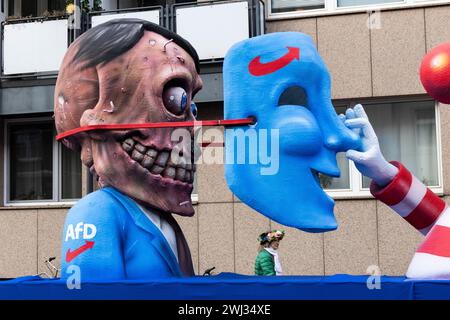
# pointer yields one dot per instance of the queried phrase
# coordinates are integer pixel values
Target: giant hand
(399, 189)
(368, 160)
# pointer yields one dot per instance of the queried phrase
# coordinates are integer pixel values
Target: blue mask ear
(194, 110)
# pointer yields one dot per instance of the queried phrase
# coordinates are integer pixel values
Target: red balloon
(435, 73)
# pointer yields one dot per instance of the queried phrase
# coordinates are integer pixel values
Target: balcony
(152, 14)
(34, 48)
(212, 27)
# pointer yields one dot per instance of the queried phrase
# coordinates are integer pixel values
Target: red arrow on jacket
(70, 255)
(257, 68)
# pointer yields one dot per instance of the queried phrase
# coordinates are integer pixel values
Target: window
(37, 168)
(280, 8)
(56, 5)
(35, 8)
(407, 132)
(11, 8)
(290, 5)
(29, 8)
(348, 3)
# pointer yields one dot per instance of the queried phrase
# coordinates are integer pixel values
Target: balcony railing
(36, 47)
(212, 28)
(33, 46)
(153, 14)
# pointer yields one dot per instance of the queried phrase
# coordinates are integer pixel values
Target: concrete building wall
(363, 63)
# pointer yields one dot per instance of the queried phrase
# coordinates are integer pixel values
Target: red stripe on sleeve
(427, 212)
(437, 242)
(395, 191)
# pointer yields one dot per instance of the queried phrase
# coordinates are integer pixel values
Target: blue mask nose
(272, 166)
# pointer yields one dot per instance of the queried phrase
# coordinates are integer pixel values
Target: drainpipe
(78, 14)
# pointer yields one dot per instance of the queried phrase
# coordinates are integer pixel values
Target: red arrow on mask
(70, 255)
(257, 68)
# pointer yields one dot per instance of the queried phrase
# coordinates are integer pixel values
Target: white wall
(152, 16)
(208, 27)
(34, 46)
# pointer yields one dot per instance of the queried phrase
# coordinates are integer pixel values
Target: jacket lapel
(158, 241)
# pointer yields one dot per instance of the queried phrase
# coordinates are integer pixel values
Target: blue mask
(302, 139)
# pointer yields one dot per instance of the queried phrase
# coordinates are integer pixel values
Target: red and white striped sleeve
(411, 199)
(427, 213)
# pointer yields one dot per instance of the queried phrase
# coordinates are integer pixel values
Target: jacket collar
(139, 217)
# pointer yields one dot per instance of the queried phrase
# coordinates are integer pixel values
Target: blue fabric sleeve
(92, 236)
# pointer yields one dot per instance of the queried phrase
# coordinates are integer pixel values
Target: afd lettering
(81, 230)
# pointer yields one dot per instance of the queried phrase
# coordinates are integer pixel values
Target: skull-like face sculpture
(132, 72)
(257, 73)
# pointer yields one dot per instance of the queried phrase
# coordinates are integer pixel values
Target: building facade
(373, 50)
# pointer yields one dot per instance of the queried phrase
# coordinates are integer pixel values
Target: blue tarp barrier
(228, 286)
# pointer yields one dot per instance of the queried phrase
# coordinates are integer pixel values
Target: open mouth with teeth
(161, 162)
(323, 180)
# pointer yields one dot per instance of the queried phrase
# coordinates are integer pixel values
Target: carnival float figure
(256, 73)
(129, 71)
(134, 73)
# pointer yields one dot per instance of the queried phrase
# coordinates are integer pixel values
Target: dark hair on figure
(109, 40)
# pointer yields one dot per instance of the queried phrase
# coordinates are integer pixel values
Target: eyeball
(194, 110)
(175, 100)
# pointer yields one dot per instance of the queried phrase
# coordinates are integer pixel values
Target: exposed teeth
(136, 155)
(157, 169)
(181, 172)
(162, 159)
(170, 172)
(148, 161)
(128, 145)
(188, 176)
(139, 147)
(168, 164)
(152, 153)
(176, 160)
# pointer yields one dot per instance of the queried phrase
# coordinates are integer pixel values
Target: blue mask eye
(175, 100)
(194, 110)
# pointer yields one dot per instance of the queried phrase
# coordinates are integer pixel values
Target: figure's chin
(159, 189)
(302, 205)
(323, 205)
(168, 205)
(169, 202)
(160, 194)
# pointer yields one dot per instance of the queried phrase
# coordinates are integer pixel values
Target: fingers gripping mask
(273, 166)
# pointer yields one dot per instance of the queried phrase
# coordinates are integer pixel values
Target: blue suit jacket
(109, 237)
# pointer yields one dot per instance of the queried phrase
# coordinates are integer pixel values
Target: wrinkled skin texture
(129, 89)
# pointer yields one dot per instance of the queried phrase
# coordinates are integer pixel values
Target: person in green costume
(268, 262)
